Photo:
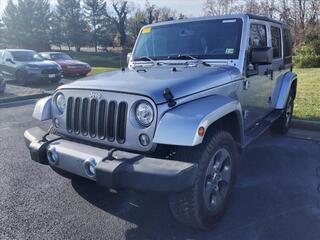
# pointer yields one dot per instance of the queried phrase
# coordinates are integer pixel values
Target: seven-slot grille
(100, 119)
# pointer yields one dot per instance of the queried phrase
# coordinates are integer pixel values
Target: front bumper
(37, 76)
(114, 169)
(76, 71)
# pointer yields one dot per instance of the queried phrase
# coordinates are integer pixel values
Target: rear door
(279, 65)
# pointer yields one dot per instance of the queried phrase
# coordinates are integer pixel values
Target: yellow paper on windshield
(147, 30)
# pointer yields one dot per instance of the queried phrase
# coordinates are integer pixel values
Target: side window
(276, 42)
(258, 36)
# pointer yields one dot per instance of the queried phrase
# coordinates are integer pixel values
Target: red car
(69, 66)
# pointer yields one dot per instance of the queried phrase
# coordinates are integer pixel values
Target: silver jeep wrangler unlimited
(195, 93)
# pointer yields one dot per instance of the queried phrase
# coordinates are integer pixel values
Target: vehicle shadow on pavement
(276, 197)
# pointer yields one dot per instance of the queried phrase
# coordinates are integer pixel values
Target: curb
(21, 98)
(306, 124)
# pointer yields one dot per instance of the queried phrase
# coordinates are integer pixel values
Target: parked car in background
(70, 66)
(27, 65)
(2, 84)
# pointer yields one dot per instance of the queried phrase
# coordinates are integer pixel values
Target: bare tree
(120, 8)
(219, 7)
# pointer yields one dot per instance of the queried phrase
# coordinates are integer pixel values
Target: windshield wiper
(185, 56)
(145, 58)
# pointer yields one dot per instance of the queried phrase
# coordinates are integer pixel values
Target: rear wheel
(204, 204)
(282, 125)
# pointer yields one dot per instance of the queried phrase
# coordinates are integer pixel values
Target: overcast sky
(188, 7)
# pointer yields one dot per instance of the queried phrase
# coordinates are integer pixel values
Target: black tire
(20, 78)
(55, 81)
(194, 207)
(4, 89)
(282, 125)
(65, 174)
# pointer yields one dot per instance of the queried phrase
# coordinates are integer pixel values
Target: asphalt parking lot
(277, 195)
(15, 90)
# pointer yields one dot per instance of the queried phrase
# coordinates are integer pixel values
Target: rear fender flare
(283, 90)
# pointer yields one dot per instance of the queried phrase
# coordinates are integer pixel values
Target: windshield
(206, 39)
(60, 56)
(26, 56)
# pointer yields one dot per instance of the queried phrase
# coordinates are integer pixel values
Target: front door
(256, 95)
(8, 65)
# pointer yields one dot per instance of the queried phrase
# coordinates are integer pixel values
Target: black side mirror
(262, 55)
(10, 60)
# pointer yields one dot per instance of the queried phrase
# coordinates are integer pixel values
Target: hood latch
(169, 97)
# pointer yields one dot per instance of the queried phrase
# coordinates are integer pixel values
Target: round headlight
(60, 102)
(144, 113)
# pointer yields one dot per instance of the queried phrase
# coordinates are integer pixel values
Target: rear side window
(276, 42)
(258, 36)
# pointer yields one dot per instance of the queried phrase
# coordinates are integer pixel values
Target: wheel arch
(288, 83)
(180, 125)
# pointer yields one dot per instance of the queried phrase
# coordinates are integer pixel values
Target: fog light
(52, 155)
(90, 167)
(144, 140)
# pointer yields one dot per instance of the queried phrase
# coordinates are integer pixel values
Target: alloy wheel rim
(217, 179)
(289, 112)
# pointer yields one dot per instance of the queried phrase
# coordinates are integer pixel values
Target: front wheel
(204, 204)
(21, 78)
(282, 125)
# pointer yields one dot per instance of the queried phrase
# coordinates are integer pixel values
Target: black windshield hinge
(169, 97)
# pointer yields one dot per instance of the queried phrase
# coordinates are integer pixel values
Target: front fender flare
(281, 95)
(42, 110)
(180, 125)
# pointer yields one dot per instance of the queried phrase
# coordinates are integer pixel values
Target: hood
(153, 82)
(41, 64)
(70, 62)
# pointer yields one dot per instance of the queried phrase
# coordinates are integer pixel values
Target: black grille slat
(92, 118)
(121, 122)
(69, 114)
(100, 119)
(111, 121)
(76, 116)
(84, 117)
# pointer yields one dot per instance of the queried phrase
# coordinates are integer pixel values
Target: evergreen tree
(73, 25)
(95, 12)
(27, 23)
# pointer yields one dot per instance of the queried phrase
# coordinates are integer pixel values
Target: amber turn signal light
(201, 131)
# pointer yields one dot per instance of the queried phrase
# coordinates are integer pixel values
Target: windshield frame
(172, 57)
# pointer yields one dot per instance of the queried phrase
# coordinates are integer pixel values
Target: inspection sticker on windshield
(229, 50)
(146, 30)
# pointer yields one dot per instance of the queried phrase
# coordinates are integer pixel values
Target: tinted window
(26, 56)
(258, 36)
(216, 39)
(60, 56)
(276, 42)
